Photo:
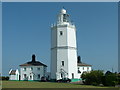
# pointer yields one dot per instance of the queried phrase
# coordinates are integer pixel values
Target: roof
(12, 72)
(33, 62)
(36, 63)
(83, 64)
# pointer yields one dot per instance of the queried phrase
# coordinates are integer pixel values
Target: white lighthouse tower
(63, 48)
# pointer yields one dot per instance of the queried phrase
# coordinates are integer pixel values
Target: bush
(92, 78)
(4, 78)
(119, 78)
(95, 84)
(97, 77)
(110, 79)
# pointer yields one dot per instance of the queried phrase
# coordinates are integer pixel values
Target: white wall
(14, 77)
(63, 48)
(71, 36)
(33, 73)
(72, 62)
(62, 55)
(53, 37)
(84, 69)
(53, 63)
(61, 39)
(53, 52)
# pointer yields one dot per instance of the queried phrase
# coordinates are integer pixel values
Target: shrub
(92, 78)
(4, 78)
(110, 79)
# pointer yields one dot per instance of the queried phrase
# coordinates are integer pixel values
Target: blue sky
(26, 31)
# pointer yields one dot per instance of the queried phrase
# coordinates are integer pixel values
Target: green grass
(32, 84)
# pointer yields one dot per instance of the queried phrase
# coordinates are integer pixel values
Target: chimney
(33, 58)
(79, 59)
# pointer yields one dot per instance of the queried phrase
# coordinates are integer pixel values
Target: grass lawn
(32, 84)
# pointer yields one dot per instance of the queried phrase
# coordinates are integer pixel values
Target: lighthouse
(63, 48)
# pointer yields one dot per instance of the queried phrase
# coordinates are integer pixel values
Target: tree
(93, 77)
(110, 79)
(119, 78)
(4, 78)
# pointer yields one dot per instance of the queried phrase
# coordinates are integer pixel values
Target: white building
(14, 74)
(83, 67)
(64, 49)
(33, 70)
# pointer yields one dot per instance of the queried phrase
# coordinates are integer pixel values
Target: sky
(26, 31)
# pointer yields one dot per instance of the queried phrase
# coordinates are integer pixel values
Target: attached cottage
(83, 67)
(33, 70)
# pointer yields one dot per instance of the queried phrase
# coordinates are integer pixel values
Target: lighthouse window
(61, 75)
(65, 18)
(62, 63)
(61, 33)
(79, 71)
(72, 75)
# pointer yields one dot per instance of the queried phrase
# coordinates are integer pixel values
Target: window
(61, 33)
(25, 76)
(83, 68)
(62, 63)
(65, 18)
(72, 75)
(87, 68)
(61, 75)
(38, 68)
(78, 70)
(30, 77)
(24, 69)
(38, 76)
(31, 68)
